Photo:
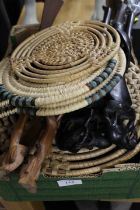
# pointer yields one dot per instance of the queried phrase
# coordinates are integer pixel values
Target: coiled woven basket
(62, 69)
(30, 82)
(90, 162)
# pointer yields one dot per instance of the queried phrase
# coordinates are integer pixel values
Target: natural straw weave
(63, 68)
(133, 83)
(59, 167)
(89, 162)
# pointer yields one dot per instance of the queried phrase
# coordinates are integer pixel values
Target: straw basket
(62, 69)
(90, 162)
(85, 162)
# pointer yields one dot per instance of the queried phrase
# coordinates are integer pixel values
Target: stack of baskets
(62, 69)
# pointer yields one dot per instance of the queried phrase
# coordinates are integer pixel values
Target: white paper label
(63, 183)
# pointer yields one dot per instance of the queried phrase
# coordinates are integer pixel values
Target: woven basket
(85, 162)
(62, 69)
(90, 162)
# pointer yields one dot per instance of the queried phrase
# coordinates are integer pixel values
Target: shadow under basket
(109, 173)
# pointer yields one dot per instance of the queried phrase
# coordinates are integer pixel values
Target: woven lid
(63, 68)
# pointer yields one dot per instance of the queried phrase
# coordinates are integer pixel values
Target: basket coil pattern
(63, 68)
(90, 162)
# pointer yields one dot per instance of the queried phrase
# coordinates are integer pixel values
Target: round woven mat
(63, 68)
(89, 162)
(86, 163)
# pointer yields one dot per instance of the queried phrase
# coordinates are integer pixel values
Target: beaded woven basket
(89, 162)
(60, 163)
(62, 69)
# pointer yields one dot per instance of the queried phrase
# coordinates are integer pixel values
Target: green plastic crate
(108, 186)
(111, 185)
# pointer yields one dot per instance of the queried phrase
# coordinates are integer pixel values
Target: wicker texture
(58, 69)
(89, 162)
(133, 83)
(60, 167)
(63, 68)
